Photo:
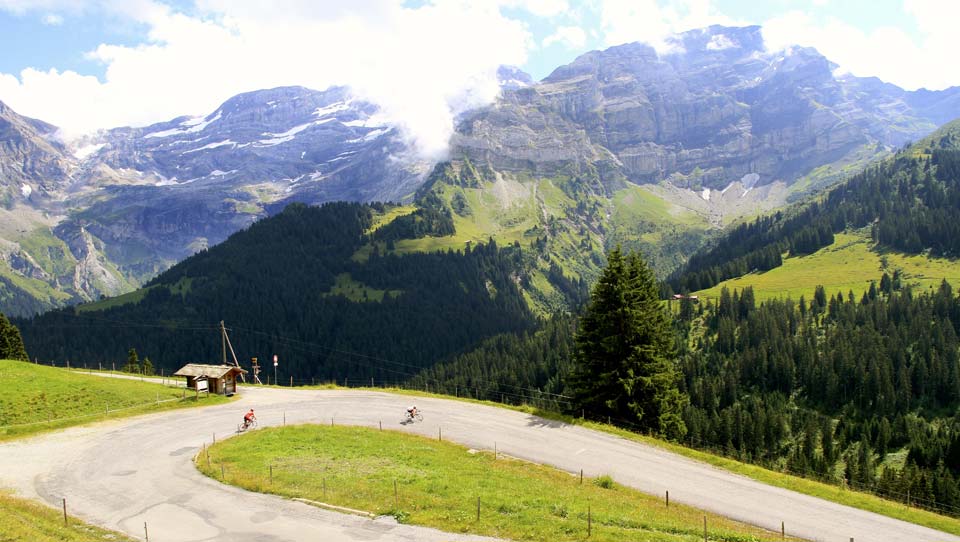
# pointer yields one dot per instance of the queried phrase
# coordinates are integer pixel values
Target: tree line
(274, 285)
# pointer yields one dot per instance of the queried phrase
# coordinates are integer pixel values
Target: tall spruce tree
(624, 357)
(133, 362)
(11, 344)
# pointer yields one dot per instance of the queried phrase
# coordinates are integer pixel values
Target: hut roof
(209, 371)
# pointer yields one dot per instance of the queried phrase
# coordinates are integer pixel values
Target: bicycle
(252, 424)
(418, 417)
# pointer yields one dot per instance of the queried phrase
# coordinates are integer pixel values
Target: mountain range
(656, 152)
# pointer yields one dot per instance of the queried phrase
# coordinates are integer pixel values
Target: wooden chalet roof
(210, 371)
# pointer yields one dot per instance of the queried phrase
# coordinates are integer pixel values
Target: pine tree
(625, 355)
(11, 344)
(147, 366)
(133, 362)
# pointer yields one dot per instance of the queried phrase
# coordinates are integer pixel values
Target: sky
(85, 65)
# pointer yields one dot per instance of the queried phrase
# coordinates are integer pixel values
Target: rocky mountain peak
(32, 160)
(512, 78)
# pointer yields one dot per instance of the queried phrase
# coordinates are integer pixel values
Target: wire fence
(481, 389)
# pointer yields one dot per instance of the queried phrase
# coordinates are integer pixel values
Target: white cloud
(421, 65)
(52, 19)
(571, 37)
(885, 52)
(22, 6)
(720, 42)
(540, 8)
(625, 21)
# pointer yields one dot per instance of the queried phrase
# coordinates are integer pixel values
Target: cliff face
(716, 109)
(33, 163)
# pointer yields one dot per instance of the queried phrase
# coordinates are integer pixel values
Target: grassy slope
(26, 521)
(357, 291)
(52, 256)
(664, 232)
(438, 485)
(37, 398)
(514, 209)
(837, 494)
(850, 263)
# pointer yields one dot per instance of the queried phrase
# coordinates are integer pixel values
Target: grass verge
(37, 398)
(437, 484)
(832, 493)
(22, 520)
(837, 494)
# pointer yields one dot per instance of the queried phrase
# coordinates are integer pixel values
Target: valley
(718, 263)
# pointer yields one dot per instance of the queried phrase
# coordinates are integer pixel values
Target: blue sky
(88, 64)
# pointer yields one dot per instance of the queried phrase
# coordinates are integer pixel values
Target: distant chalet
(220, 379)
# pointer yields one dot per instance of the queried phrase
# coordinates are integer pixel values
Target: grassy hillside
(37, 398)
(849, 264)
(438, 484)
(665, 233)
(40, 271)
(565, 223)
(26, 521)
(330, 280)
(909, 204)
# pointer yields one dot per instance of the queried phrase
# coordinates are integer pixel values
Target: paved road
(123, 473)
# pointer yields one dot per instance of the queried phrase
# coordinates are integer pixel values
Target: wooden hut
(219, 379)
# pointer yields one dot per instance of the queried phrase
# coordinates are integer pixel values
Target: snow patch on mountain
(193, 125)
(369, 136)
(209, 146)
(26, 190)
(331, 109)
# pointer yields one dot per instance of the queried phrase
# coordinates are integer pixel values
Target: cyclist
(248, 419)
(412, 412)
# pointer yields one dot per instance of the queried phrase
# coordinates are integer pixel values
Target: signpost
(256, 371)
(275, 381)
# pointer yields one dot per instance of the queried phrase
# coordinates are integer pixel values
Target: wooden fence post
(668, 498)
(589, 522)
(65, 512)
(478, 508)
(146, 533)
(704, 528)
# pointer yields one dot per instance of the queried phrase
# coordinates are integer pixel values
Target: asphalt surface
(123, 473)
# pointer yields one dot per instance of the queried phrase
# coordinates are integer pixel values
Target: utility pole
(226, 343)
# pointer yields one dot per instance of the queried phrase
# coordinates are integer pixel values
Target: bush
(604, 481)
